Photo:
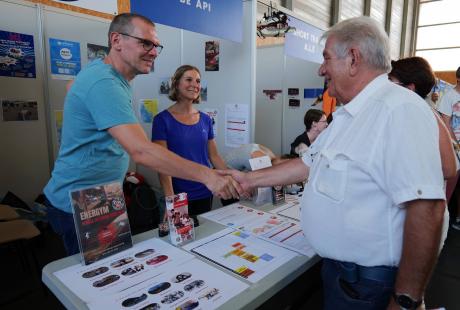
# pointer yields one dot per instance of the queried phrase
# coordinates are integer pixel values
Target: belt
(351, 272)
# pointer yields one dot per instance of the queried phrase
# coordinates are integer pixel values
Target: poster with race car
(101, 221)
(17, 55)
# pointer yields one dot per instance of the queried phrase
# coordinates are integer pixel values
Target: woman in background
(187, 132)
(315, 122)
(415, 73)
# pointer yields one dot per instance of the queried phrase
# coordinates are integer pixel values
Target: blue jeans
(63, 225)
(362, 294)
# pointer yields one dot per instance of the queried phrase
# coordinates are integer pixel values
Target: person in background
(433, 97)
(329, 102)
(315, 122)
(238, 158)
(101, 132)
(188, 133)
(373, 204)
(415, 73)
(449, 107)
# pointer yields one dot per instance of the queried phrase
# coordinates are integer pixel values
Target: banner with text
(217, 18)
(304, 42)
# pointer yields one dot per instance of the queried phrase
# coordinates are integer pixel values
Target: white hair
(370, 37)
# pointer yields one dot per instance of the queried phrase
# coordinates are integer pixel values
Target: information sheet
(265, 225)
(121, 271)
(190, 285)
(236, 124)
(243, 254)
(291, 210)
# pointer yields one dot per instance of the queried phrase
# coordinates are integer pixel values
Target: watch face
(406, 302)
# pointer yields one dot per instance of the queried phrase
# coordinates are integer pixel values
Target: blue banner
(217, 18)
(17, 55)
(304, 43)
(65, 59)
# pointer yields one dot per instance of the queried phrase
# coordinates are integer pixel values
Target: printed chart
(266, 226)
(242, 253)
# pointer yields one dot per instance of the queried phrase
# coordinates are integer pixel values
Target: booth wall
(233, 83)
(278, 124)
(29, 148)
(24, 160)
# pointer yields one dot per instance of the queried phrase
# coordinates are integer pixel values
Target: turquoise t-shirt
(100, 98)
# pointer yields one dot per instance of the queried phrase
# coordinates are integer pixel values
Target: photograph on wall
(212, 113)
(294, 103)
(271, 93)
(19, 110)
(101, 221)
(211, 52)
(148, 108)
(293, 91)
(65, 59)
(165, 86)
(204, 91)
(17, 55)
(95, 51)
(58, 119)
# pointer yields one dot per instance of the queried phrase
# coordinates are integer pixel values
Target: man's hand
(223, 186)
(242, 179)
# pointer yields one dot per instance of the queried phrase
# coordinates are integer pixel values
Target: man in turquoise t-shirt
(100, 130)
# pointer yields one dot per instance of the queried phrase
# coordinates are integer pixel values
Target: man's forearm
(422, 233)
(288, 172)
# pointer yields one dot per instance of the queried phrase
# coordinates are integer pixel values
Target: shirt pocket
(332, 175)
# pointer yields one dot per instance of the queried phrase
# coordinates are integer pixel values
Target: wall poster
(17, 55)
(65, 59)
(148, 108)
(95, 51)
(19, 110)
(211, 54)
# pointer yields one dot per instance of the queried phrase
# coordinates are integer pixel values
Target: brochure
(101, 221)
(191, 284)
(181, 228)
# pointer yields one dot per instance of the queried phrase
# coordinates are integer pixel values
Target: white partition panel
(277, 124)
(233, 83)
(24, 164)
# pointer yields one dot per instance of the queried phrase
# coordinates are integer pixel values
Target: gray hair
(122, 23)
(364, 32)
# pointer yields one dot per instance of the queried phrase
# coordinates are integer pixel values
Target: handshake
(227, 184)
(235, 184)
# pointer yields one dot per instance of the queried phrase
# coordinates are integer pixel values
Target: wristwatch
(406, 302)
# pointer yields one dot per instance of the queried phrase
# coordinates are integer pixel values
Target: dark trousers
(63, 225)
(345, 291)
(196, 207)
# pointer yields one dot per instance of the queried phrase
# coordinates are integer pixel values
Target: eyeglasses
(146, 44)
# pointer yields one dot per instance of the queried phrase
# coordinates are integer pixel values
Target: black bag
(142, 207)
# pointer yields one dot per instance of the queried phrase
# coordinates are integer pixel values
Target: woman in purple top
(187, 132)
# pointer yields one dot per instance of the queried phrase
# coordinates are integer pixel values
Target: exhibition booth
(253, 95)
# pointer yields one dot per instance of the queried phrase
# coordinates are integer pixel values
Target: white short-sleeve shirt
(450, 106)
(381, 150)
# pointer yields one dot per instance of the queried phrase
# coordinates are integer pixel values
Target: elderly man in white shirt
(374, 204)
